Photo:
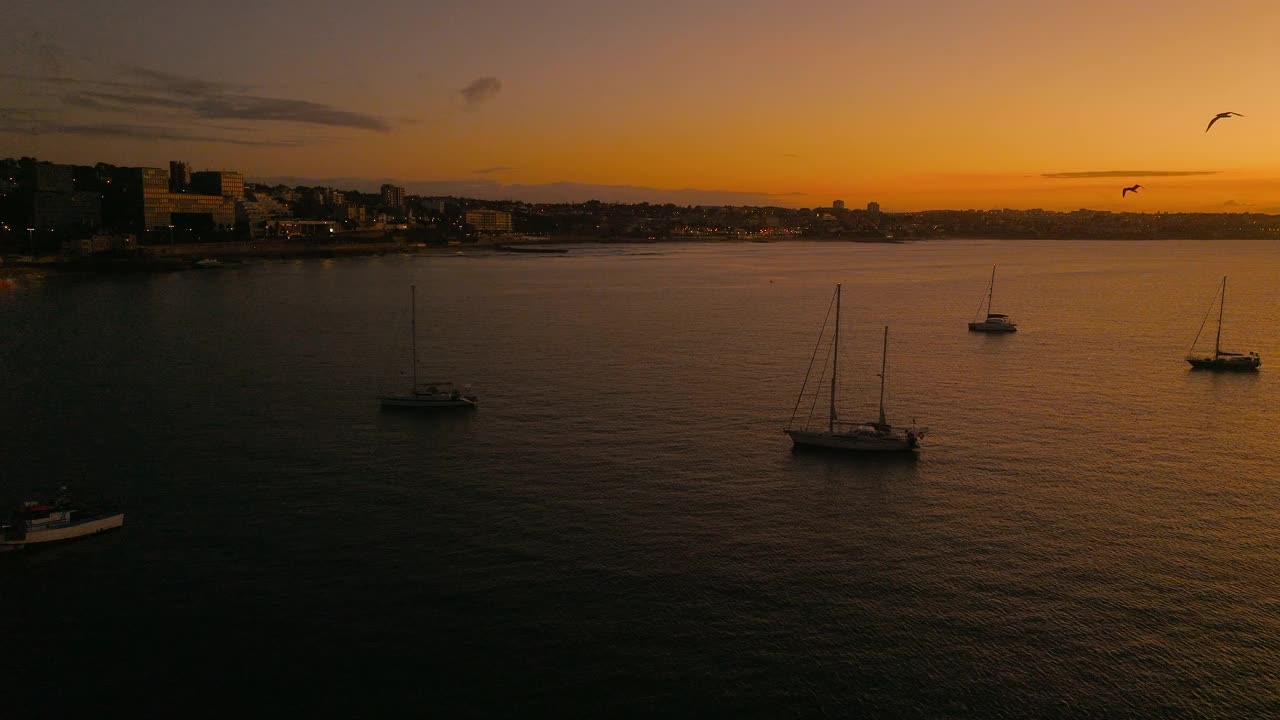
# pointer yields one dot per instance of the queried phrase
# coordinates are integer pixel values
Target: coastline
(193, 256)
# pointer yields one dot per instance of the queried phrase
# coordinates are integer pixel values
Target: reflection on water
(622, 524)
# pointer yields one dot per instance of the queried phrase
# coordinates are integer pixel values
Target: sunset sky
(916, 104)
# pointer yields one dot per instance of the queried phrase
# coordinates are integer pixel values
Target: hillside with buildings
(47, 208)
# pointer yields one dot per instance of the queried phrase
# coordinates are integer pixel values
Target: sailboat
(429, 394)
(1221, 359)
(995, 322)
(873, 436)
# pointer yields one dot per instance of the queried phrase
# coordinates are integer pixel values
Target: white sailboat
(995, 322)
(1221, 359)
(873, 436)
(430, 394)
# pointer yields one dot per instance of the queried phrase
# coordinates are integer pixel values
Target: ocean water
(622, 527)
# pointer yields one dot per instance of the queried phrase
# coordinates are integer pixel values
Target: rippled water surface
(622, 527)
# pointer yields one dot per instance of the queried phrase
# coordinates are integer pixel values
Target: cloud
(139, 132)
(179, 85)
(494, 169)
(247, 107)
(790, 155)
(226, 101)
(1126, 174)
(481, 90)
(201, 99)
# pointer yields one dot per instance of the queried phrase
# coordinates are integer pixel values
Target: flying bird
(1219, 116)
(1128, 190)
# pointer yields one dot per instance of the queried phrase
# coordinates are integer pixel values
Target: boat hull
(410, 401)
(854, 442)
(1239, 364)
(83, 528)
(992, 327)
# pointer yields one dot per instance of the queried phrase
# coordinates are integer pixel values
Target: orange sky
(916, 104)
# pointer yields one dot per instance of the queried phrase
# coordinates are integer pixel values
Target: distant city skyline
(917, 105)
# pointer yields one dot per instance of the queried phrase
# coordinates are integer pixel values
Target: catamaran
(1221, 359)
(426, 395)
(995, 322)
(873, 436)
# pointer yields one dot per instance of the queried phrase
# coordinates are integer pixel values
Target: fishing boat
(873, 436)
(36, 521)
(431, 395)
(1220, 359)
(995, 322)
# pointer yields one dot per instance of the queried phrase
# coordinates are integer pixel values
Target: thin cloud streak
(1126, 174)
(140, 132)
(201, 99)
(494, 169)
(480, 90)
(179, 85)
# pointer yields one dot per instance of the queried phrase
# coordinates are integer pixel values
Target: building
(257, 209)
(47, 200)
(179, 176)
(139, 199)
(392, 196)
(354, 213)
(218, 182)
(838, 205)
(62, 211)
(53, 178)
(284, 193)
(873, 207)
(489, 220)
(302, 228)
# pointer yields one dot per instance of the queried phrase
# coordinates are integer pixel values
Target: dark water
(622, 527)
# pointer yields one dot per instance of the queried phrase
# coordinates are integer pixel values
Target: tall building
(54, 178)
(47, 199)
(218, 182)
(139, 199)
(838, 205)
(873, 207)
(179, 176)
(489, 220)
(392, 196)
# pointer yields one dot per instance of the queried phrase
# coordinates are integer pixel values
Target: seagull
(1219, 116)
(1128, 190)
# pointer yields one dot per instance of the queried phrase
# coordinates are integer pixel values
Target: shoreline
(172, 258)
(201, 256)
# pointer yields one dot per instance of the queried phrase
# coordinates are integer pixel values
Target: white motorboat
(994, 322)
(434, 395)
(36, 522)
(873, 436)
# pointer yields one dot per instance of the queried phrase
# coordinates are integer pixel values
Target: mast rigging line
(821, 333)
(1204, 322)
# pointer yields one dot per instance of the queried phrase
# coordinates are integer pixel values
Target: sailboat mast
(884, 366)
(835, 365)
(991, 291)
(1217, 343)
(413, 332)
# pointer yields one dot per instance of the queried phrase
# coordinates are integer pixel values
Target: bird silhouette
(1128, 190)
(1219, 116)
